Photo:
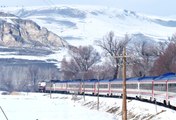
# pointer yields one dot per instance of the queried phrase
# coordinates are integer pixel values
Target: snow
(55, 57)
(39, 106)
(93, 24)
(97, 21)
(35, 106)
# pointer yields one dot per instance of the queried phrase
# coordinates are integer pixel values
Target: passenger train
(155, 88)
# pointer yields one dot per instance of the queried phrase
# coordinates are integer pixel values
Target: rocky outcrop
(17, 32)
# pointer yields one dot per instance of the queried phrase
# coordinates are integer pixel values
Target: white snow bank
(69, 107)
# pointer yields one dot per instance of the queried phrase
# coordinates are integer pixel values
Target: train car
(89, 86)
(132, 87)
(49, 87)
(60, 86)
(165, 89)
(41, 86)
(171, 91)
(154, 88)
(103, 87)
(55, 86)
(115, 87)
(146, 88)
(74, 86)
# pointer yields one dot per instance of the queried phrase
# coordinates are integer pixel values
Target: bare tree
(33, 74)
(103, 71)
(166, 61)
(145, 54)
(69, 69)
(113, 46)
(172, 39)
(82, 59)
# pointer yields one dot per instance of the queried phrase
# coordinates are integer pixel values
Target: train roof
(132, 79)
(55, 81)
(116, 80)
(104, 80)
(164, 77)
(74, 81)
(147, 78)
(167, 76)
(92, 80)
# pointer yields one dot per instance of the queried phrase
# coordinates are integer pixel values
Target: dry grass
(15, 93)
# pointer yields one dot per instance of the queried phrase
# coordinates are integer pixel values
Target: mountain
(81, 25)
(61, 25)
(34, 40)
(17, 32)
(25, 45)
(27, 52)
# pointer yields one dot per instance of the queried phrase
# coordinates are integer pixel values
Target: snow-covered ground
(54, 57)
(38, 106)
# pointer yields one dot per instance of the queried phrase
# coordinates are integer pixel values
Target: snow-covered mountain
(16, 32)
(24, 42)
(81, 25)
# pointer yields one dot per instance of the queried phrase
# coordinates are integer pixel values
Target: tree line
(145, 58)
(25, 77)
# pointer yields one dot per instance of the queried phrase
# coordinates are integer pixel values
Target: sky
(151, 7)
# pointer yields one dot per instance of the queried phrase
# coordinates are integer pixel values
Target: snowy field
(37, 106)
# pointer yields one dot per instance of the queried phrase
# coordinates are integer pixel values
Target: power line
(49, 2)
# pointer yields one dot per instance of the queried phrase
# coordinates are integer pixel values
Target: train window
(159, 84)
(73, 85)
(116, 85)
(160, 87)
(146, 86)
(59, 84)
(103, 86)
(88, 86)
(131, 86)
(49, 85)
(172, 87)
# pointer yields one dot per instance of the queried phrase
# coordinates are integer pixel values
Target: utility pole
(84, 90)
(83, 84)
(98, 100)
(50, 89)
(124, 105)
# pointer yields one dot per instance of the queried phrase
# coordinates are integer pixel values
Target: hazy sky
(153, 7)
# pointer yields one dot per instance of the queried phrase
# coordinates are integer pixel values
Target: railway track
(129, 98)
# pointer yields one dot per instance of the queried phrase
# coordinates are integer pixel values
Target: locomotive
(153, 88)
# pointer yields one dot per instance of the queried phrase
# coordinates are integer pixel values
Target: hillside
(36, 38)
(81, 25)
(17, 32)
(27, 50)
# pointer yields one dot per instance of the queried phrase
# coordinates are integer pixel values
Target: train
(160, 88)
